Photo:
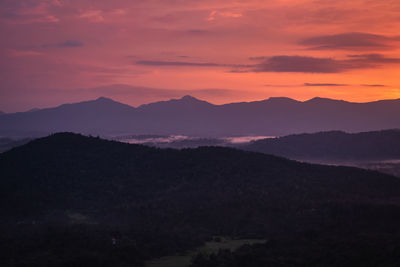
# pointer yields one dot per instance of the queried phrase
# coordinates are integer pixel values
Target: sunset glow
(58, 51)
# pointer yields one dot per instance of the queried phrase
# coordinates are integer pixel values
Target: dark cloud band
(302, 64)
(355, 41)
(324, 84)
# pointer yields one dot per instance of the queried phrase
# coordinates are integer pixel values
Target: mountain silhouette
(66, 196)
(102, 173)
(92, 117)
(333, 145)
(276, 116)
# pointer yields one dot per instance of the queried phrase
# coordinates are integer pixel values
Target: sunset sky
(139, 51)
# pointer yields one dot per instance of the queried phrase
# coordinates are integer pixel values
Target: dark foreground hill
(334, 145)
(64, 198)
(275, 116)
(8, 143)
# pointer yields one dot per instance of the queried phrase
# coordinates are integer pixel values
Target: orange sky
(137, 51)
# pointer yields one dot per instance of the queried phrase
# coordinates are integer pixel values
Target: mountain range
(67, 199)
(275, 116)
(376, 150)
(333, 145)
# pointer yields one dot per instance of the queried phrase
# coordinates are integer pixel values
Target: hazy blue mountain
(275, 116)
(333, 145)
(99, 116)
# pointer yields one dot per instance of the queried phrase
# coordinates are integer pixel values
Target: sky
(140, 51)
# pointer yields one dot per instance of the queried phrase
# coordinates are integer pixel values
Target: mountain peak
(183, 102)
(281, 99)
(104, 99)
(101, 104)
(189, 98)
(322, 100)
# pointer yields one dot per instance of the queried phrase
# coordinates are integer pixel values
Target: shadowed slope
(79, 192)
(335, 145)
(69, 171)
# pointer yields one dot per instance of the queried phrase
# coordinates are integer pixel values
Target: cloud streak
(65, 44)
(351, 41)
(92, 15)
(290, 64)
(299, 64)
(373, 85)
(27, 12)
(177, 63)
(188, 64)
(324, 84)
(307, 64)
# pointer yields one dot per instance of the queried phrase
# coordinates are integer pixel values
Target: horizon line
(197, 99)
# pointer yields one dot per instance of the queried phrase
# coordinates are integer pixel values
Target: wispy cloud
(223, 14)
(373, 85)
(371, 59)
(64, 44)
(351, 41)
(307, 64)
(23, 53)
(95, 15)
(24, 12)
(189, 64)
(177, 63)
(324, 84)
(301, 64)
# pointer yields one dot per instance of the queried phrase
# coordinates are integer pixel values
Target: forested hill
(333, 145)
(70, 171)
(66, 195)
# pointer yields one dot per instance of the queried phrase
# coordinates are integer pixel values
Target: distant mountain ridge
(276, 116)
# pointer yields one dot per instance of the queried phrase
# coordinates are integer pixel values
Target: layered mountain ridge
(275, 116)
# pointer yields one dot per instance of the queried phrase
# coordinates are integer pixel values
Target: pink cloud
(21, 53)
(229, 14)
(92, 15)
(211, 17)
(48, 18)
(40, 12)
(224, 14)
